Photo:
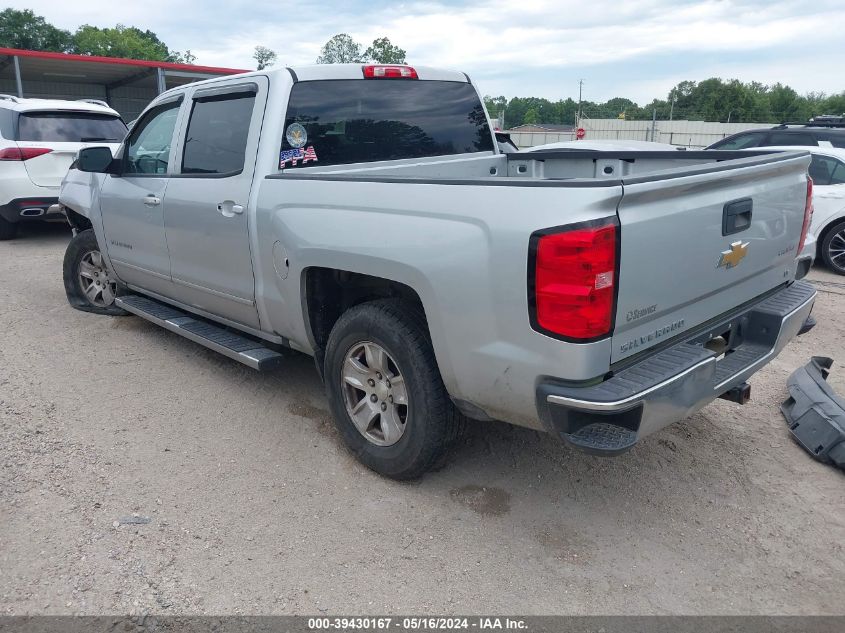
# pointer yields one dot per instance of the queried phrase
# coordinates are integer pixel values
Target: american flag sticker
(293, 156)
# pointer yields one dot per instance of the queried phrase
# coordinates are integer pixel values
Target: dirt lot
(255, 507)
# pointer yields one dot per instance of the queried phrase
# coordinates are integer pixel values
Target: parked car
(366, 216)
(822, 134)
(827, 169)
(39, 139)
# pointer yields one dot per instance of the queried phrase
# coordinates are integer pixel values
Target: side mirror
(94, 159)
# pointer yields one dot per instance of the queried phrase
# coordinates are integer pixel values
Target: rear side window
(791, 138)
(740, 141)
(358, 120)
(217, 134)
(7, 124)
(69, 127)
(825, 170)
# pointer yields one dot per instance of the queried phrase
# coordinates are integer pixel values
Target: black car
(786, 134)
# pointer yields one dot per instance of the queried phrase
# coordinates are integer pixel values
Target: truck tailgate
(689, 252)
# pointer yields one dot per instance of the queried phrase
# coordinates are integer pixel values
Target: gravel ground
(141, 473)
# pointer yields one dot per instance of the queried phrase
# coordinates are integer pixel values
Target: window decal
(296, 135)
(293, 156)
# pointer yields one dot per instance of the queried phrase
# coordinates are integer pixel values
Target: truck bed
(460, 220)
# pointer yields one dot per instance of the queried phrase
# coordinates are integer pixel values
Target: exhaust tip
(32, 212)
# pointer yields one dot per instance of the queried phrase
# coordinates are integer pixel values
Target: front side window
(148, 148)
(217, 134)
(70, 127)
(740, 141)
(361, 120)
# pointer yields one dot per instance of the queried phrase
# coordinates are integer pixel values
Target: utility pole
(672, 106)
(653, 123)
(580, 87)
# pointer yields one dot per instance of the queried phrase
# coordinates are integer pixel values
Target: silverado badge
(733, 255)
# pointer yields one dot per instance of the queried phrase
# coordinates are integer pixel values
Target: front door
(132, 202)
(207, 200)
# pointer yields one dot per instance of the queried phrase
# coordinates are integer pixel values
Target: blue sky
(637, 49)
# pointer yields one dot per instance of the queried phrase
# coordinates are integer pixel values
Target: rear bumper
(32, 208)
(610, 417)
(815, 414)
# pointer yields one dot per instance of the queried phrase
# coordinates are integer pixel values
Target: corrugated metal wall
(127, 100)
(685, 133)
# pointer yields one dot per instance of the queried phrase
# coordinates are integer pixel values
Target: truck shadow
(498, 469)
(502, 473)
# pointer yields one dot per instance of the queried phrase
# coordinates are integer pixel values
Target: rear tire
(832, 248)
(89, 284)
(8, 230)
(385, 391)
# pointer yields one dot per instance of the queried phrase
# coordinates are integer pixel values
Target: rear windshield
(358, 120)
(72, 127)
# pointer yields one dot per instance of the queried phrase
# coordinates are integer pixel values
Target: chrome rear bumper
(673, 383)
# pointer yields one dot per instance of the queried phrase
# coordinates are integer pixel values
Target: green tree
(531, 117)
(120, 41)
(264, 57)
(565, 111)
(834, 104)
(24, 29)
(340, 49)
(383, 51)
(182, 58)
(618, 105)
(495, 106)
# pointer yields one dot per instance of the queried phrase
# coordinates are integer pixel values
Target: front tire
(8, 230)
(385, 391)
(89, 284)
(833, 248)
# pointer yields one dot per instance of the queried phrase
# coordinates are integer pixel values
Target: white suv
(39, 139)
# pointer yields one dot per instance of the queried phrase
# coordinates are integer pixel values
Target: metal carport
(128, 85)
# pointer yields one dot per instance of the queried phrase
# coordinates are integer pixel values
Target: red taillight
(22, 153)
(808, 215)
(574, 282)
(389, 72)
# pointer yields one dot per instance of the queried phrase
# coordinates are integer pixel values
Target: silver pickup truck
(366, 215)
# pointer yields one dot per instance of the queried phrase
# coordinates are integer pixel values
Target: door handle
(152, 201)
(229, 209)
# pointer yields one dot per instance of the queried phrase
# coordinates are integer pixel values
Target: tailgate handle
(736, 216)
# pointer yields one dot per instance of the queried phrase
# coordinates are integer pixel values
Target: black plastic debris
(814, 413)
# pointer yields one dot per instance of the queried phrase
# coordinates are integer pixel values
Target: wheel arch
(76, 220)
(329, 292)
(831, 222)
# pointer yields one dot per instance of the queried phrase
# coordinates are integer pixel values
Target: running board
(245, 350)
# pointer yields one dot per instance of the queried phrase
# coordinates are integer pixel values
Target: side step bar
(245, 350)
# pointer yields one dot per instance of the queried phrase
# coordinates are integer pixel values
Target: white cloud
(528, 47)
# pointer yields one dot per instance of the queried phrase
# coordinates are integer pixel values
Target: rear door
(132, 201)
(696, 246)
(63, 132)
(207, 200)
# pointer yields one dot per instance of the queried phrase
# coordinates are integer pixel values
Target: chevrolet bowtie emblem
(733, 255)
